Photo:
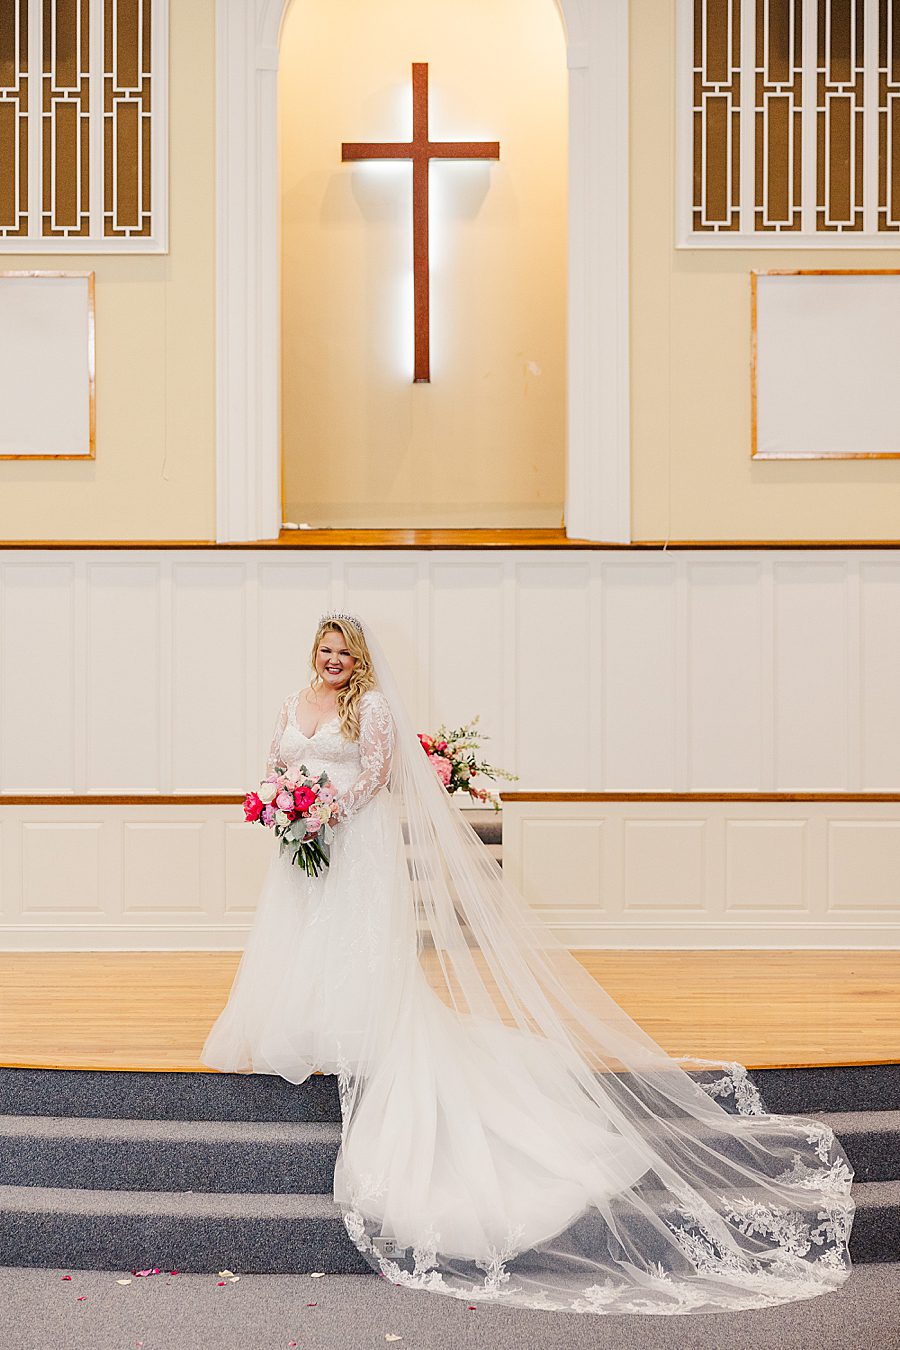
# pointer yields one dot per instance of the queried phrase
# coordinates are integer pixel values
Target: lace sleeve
(274, 762)
(376, 748)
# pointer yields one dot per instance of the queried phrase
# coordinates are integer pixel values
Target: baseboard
(763, 936)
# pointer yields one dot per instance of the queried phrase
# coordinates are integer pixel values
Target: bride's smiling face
(334, 663)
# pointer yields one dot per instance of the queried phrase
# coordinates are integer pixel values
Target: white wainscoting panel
(141, 671)
(100, 877)
(134, 671)
(706, 874)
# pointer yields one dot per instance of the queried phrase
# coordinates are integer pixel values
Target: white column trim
(598, 458)
(248, 464)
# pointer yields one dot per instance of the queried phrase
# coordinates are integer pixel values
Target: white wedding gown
(478, 1158)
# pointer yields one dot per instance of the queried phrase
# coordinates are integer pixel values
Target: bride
(509, 1132)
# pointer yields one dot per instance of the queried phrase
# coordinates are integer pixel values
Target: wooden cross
(420, 150)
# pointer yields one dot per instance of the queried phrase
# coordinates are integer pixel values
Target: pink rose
(313, 825)
(443, 768)
(253, 807)
(284, 801)
(327, 793)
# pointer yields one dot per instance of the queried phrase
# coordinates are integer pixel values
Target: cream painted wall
(693, 477)
(484, 443)
(154, 474)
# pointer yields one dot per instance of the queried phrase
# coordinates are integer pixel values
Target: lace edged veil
(511, 1133)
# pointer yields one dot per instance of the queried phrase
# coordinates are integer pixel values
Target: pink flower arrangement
(301, 810)
(451, 755)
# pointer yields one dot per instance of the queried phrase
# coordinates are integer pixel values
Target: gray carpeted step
(871, 1140)
(120, 1230)
(176, 1155)
(876, 1225)
(167, 1155)
(844, 1087)
(151, 1094)
(124, 1230)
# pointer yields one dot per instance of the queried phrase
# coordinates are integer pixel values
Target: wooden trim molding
(435, 540)
(120, 799)
(235, 799)
(700, 797)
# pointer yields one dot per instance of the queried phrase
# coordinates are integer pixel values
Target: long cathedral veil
(510, 1133)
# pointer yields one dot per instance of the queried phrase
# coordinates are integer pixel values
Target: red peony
(253, 806)
(304, 798)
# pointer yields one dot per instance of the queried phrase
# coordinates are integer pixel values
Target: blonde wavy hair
(361, 676)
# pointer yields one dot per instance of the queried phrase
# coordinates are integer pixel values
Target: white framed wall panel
(133, 671)
(763, 875)
(707, 874)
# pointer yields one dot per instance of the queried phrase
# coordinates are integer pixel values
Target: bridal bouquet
(452, 755)
(300, 809)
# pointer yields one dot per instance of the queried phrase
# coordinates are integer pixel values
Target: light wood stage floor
(765, 1009)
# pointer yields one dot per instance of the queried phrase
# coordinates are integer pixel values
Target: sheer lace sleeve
(376, 748)
(274, 762)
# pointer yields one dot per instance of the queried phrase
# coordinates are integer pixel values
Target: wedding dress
(509, 1132)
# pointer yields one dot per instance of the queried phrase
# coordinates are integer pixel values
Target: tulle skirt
(476, 1158)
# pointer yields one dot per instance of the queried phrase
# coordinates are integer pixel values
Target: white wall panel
(664, 864)
(164, 866)
(66, 852)
(765, 865)
(724, 741)
(553, 675)
(210, 653)
(639, 676)
(145, 671)
(880, 685)
(812, 651)
(864, 865)
(122, 731)
(563, 855)
(706, 874)
(40, 651)
(467, 633)
(606, 874)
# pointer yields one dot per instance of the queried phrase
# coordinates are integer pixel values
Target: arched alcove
(478, 440)
(248, 281)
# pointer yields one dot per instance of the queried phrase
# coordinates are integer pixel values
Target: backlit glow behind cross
(421, 151)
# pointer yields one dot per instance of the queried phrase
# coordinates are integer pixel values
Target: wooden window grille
(83, 95)
(789, 118)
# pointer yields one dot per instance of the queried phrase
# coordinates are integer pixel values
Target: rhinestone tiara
(339, 614)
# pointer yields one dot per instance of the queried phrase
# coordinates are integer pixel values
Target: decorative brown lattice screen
(795, 117)
(80, 100)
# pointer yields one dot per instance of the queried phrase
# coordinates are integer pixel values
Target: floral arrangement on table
(452, 754)
(301, 810)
